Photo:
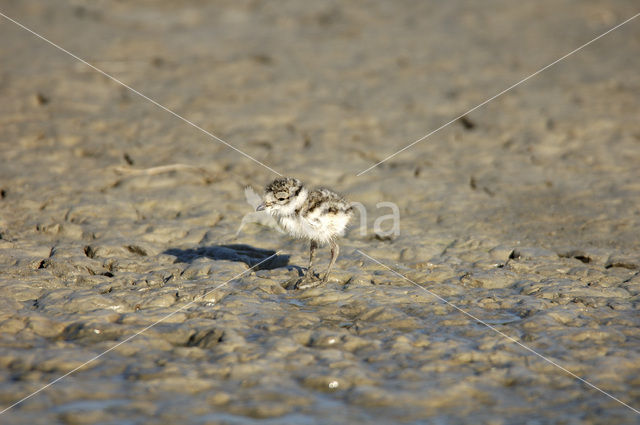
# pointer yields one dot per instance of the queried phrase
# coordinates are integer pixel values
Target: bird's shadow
(256, 258)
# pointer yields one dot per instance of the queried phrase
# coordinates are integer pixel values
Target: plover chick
(319, 215)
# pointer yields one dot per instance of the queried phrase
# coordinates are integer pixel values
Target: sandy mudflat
(526, 216)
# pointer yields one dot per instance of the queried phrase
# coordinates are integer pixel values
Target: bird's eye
(281, 199)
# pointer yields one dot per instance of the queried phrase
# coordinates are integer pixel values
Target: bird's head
(282, 196)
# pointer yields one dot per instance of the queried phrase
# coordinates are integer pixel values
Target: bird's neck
(296, 203)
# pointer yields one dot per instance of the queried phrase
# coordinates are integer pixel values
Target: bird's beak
(261, 207)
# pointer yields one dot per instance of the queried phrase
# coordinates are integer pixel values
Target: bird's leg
(309, 279)
(312, 253)
(335, 250)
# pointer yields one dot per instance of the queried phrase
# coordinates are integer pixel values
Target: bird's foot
(309, 283)
(309, 280)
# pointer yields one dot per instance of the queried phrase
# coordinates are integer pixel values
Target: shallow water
(527, 219)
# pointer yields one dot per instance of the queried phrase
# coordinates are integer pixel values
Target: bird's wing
(252, 197)
(259, 217)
